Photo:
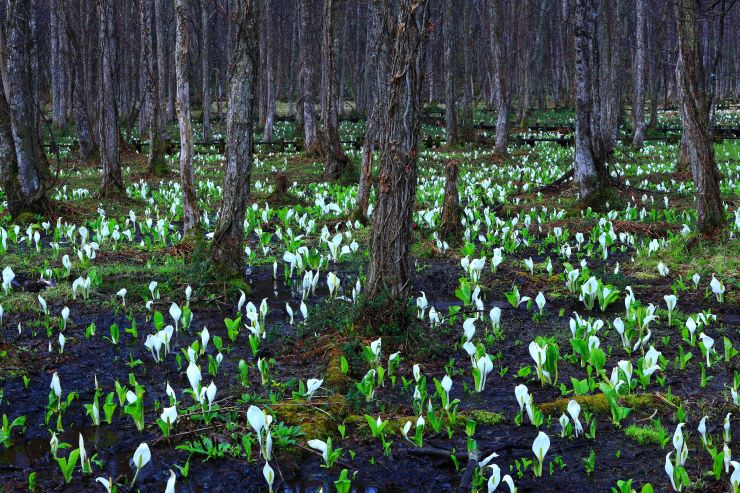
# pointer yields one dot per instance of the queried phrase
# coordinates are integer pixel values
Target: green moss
(482, 417)
(334, 377)
(319, 419)
(25, 218)
(599, 405)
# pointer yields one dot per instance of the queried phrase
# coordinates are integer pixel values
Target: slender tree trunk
(76, 61)
(24, 167)
(451, 226)
(190, 216)
(270, 61)
(112, 182)
(590, 169)
(157, 162)
(227, 253)
(449, 62)
(497, 9)
(311, 138)
(694, 112)
(375, 68)
(468, 37)
(293, 49)
(161, 85)
(336, 162)
(58, 70)
(638, 107)
(342, 59)
(205, 50)
(609, 72)
(389, 269)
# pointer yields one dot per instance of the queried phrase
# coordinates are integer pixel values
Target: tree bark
(694, 112)
(112, 182)
(638, 106)
(468, 38)
(336, 162)
(589, 168)
(76, 61)
(24, 167)
(227, 254)
(311, 139)
(449, 63)
(190, 216)
(609, 72)
(292, 72)
(389, 270)
(270, 71)
(58, 72)
(156, 161)
(375, 69)
(161, 85)
(497, 9)
(451, 226)
(205, 54)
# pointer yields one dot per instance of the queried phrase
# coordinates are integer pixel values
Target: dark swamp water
(298, 471)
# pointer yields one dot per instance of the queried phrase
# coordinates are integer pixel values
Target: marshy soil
(301, 354)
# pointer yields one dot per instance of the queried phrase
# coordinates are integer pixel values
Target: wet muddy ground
(300, 355)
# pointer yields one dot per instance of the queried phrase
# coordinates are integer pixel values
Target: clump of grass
(652, 434)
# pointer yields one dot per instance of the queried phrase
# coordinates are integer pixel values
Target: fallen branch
(467, 479)
(435, 452)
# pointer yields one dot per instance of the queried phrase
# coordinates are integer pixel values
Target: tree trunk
(449, 63)
(694, 112)
(389, 270)
(270, 69)
(112, 182)
(292, 77)
(24, 166)
(161, 85)
(157, 162)
(205, 50)
(336, 162)
(76, 61)
(58, 70)
(311, 138)
(375, 69)
(638, 107)
(590, 169)
(497, 9)
(190, 217)
(451, 226)
(609, 72)
(468, 45)
(343, 55)
(227, 253)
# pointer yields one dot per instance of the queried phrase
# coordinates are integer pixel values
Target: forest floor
(104, 354)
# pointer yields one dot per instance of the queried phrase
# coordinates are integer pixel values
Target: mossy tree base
(384, 315)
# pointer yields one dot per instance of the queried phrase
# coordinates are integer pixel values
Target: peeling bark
(335, 161)
(227, 253)
(156, 161)
(589, 167)
(24, 167)
(112, 182)
(389, 269)
(190, 216)
(695, 119)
